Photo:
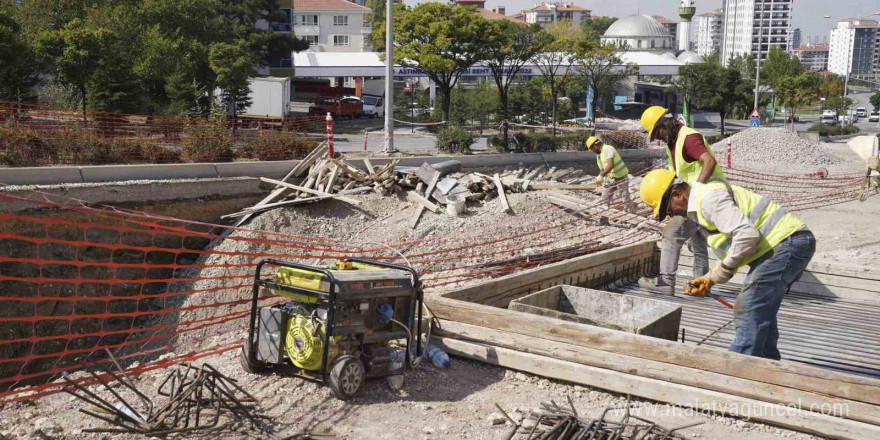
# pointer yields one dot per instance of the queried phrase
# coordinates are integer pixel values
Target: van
(828, 118)
(861, 112)
(374, 106)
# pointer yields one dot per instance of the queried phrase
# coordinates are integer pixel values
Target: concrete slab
(121, 173)
(40, 175)
(273, 170)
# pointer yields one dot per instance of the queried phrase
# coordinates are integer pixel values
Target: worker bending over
(613, 174)
(691, 158)
(743, 228)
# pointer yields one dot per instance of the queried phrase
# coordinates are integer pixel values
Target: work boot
(657, 285)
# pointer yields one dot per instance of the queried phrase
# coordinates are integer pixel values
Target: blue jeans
(768, 281)
(676, 233)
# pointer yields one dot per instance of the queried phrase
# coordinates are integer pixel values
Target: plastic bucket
(455, 205)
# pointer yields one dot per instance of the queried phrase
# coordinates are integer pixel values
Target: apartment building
(813, 57)
(854, 48)
(546, 13)
(708, 32)
(671, 26)
(754, 26)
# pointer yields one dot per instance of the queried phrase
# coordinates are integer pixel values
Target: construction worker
(692, 160)
(613, 174)
(743, 228)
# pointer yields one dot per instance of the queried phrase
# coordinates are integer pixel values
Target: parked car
(374, 106)
(875, 117)
(828, 118)
(338, 107)
(861, 112)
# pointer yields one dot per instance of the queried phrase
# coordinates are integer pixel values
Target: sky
(807, 14)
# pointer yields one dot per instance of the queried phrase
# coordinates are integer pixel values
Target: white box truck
(270, 97)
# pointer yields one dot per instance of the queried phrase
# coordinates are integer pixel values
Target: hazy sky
(807, 14)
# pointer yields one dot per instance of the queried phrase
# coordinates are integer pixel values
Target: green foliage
(473, 104)
(598, 67)
(780, 66)
(442, 41)
(594, 27)
(233, 65)
(377, 19)
(799, 91)
(710, 85)
(454, 139)
(207, 140)
(563, 42)
(875, 101)
(18, 64)
(834, 130)
(838, 104)
(522, 142)
(831, 86)
(22, 147)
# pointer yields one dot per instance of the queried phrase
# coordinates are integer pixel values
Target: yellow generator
(334, 324)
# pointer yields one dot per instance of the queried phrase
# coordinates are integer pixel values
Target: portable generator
(336, 324)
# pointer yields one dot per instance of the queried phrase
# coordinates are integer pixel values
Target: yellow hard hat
(592, 141)
(651, 116)
(654, 191)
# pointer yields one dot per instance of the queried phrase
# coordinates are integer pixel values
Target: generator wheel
(346, 377)
(247, 365)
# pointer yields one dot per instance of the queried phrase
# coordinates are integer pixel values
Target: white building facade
(332, 25)
(813, 57)
(753, 26)
(853, 48)
(547, 13)
(708, 32)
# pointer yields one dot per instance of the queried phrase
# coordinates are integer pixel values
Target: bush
(454, 139)
(141, 151)
(21, 147)
(496, 142)
(574, 141)
(275, 145)
(80, 146)
(834, 130)
(207, 140)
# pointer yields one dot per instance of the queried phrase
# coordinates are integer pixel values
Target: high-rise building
(754, 26)
(794, 40)
(813, 57)
(686, 12)
(708, 32)
(853, 48)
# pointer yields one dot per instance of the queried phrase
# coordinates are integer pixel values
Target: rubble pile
(774, 150)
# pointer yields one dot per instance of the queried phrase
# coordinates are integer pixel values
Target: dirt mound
(775, 150)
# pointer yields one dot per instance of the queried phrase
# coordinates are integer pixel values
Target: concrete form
(475, 322)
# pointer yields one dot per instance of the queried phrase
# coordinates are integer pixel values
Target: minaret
(686, 12)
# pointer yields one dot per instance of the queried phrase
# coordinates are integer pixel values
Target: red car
(338, 107)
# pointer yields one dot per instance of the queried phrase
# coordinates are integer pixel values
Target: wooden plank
(413, 197)
(687, 396)
(533, 173)
(657, 370)
(266, 207)
(332, 179)
(505, 207)
(419, 209)
(369, 166)
(311, 191)
(568, 186)
(782, 373)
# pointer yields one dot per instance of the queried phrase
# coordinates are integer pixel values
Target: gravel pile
(775, 150)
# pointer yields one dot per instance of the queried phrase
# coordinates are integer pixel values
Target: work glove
(719, 274)
(598, 181)
(699, 287)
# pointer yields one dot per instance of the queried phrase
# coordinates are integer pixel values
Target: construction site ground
(442, 403)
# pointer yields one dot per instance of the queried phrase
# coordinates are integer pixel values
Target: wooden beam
(369, 165)
(505, 207)
(419, 209)
(657, 370)
(568, 186)
(414, 197)
(687, 396)
(332, 179)
(266, 207)
(311, 191)
(782, 373)
(534, 173)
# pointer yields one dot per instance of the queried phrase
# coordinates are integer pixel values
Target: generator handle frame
(419, 300)
(328, 326)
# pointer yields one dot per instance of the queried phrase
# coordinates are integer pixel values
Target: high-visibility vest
(619, 170)
(772, 221)
(689, 171)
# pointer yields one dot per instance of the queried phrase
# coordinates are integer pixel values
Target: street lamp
(389, 77)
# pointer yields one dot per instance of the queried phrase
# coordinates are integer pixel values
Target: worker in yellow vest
(689, 155)
(743, 228)
(613, 174)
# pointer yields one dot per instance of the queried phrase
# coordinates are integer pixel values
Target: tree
(442, 41)
(555, 59)
(694, 82)
(377, 19)
(779, 66)
(838, 104)
(600, 68)
(509, 46)
(831, 86)
(710, 85)
(233, 65)
(18, 64)
(798, 91)
(76, 51)
(594, 27)
(875, 101)
(730, 92)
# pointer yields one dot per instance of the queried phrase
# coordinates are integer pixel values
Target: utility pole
(389, 77)
(760, 43)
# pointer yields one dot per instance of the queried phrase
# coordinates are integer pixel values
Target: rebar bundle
(197, 397)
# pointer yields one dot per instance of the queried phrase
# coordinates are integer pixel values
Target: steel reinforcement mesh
(76, 279)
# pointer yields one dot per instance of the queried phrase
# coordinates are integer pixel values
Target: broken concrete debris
(427, 187)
